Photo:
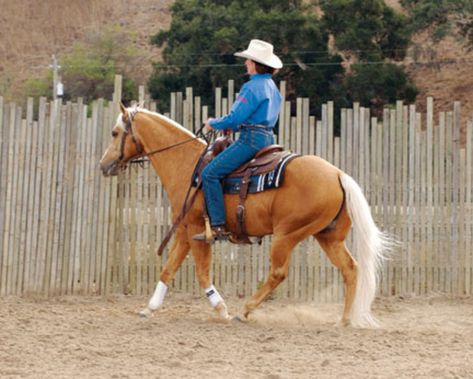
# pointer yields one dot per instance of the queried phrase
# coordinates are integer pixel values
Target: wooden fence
(64, 229)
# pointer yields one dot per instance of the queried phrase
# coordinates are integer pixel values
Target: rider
(254, 114)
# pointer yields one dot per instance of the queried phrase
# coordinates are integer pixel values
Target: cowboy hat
(261, 52)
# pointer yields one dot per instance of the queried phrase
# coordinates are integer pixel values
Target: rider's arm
(242, 109)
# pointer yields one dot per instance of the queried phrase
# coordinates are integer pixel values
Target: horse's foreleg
(178, 252)
(342, 259)
(280, 253)
(203, 258)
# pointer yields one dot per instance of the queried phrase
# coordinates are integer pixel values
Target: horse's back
(311, 191)
(314, 174)
(316, 165)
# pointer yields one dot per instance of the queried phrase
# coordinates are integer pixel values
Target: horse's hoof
(226, 319)
(145, 313)
(344, 323)
(221, 309)
(240, 318)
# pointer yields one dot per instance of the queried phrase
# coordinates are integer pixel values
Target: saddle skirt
(273, 178)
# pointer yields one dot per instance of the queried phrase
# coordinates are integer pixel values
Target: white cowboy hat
(261, 52)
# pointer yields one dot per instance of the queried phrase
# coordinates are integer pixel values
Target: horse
(316, 199)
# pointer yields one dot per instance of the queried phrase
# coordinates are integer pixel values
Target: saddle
(265, 161)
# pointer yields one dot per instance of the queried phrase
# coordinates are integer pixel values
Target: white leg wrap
(213, 296)
(158, 297)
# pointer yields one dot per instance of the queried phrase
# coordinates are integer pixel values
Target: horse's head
(123, 147)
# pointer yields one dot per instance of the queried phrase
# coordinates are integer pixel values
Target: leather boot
(219, 233)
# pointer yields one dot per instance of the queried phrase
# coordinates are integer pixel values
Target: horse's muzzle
(110, 169)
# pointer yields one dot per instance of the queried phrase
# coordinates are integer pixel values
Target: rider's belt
(251, 126)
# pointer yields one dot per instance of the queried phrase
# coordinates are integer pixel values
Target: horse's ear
(124, 111)
(122, 108)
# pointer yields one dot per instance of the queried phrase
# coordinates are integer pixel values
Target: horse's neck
(175, 165)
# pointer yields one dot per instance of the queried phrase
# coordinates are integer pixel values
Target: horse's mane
(137, 109)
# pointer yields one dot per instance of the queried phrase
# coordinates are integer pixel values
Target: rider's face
(250, 67)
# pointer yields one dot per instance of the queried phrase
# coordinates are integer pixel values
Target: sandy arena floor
(92, 337)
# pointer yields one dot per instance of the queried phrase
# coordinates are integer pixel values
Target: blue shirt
(258, 103)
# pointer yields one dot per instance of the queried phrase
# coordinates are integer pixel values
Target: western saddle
(265, 161)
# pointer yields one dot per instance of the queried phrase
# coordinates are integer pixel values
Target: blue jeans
(245, 148)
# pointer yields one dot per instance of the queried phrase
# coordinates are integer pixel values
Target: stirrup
(218, 233)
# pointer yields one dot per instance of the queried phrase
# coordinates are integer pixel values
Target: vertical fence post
(66, 230)
(468, 200)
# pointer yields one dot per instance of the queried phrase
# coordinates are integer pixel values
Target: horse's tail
(370, 248)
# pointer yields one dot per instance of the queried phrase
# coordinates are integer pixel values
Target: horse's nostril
(107, 169)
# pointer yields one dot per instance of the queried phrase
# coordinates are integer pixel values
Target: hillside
(449, 78)
(31, 31)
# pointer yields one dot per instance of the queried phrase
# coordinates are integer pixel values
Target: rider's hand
(208, 127)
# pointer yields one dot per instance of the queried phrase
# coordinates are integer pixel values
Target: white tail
(370, 248)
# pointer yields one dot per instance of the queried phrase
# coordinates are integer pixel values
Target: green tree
(376, 86)
(442, 16)
(89, 70)
(368, 29)
(372, 35)
(204, 34)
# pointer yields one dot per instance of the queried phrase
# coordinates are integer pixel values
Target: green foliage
(89, 70)
(443, 16)
(366, 28)
(88, 75)
(373, 34)
(204, 34)
(39, 87)
(377, 85)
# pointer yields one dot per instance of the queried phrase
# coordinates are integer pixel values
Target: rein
(187, 205)
(189, 200)
(140, 160)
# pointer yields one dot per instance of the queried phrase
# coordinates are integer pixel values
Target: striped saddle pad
(262, 182)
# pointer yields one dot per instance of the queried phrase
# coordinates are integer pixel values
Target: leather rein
(138, 160)
(139, 147)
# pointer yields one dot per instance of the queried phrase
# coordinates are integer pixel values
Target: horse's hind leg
(280, 253)
(341, 258)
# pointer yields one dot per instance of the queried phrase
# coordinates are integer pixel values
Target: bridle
(128, 131)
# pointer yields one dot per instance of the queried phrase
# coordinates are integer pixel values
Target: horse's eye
(114, 134)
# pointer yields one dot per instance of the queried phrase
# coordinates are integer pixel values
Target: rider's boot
(217, 233)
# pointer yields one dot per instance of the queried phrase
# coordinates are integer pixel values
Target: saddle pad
(260, 183)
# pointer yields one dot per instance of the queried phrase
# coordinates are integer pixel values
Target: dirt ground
(96, 337)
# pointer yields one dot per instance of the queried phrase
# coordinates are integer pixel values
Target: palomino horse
(316, 199)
